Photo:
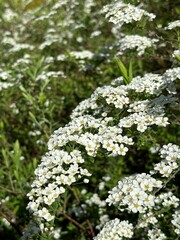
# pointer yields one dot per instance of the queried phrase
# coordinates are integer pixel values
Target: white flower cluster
(166, 200)
(90, 129)
(81, 54)
(59, 4)
(8, 77)
(146, 219)
(4, 85)
(173, 25)
(176, 54)
(155, 83)
(50, 74)
(95, 199)
(56, 233)
(108, 137)
(156, 234)
(4, 74)
(9, 15)
(140, 43)
(57, 170)
(170, 154)
(176, 221)
(88, 4)
(151, 218)
(115, 230)
(141, 193)
(21, 46)
(121, 13)
(22, 62)
(102, 220)
(134, 193)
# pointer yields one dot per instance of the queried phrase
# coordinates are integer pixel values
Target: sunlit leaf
(123, 71)
(130, 71)
(34, 4)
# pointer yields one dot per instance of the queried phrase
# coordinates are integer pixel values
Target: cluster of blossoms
(156, 234)
(103, 219)
(55, 31)
(121, 13)
(4, 220)
(8, 15)
(90, 129)
(50, 74)
(140, 188)
(4, 85)
(176, 54)
(173, 25)
(4, 76)
(115, 230)
(57, 170)
(95, 199)
(140, 43)
(167, 200)
(171, 155)
(176, 221)
(81, 54)
(134, 193)
(142, 193)
(56, 233)
(88, 5)
(146, 219)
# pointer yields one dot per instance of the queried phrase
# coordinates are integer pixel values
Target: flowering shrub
(107, 75)
(93, 127)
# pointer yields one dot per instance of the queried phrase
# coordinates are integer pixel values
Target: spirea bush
(90, 120)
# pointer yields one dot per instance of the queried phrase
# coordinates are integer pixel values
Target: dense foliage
(89, 126)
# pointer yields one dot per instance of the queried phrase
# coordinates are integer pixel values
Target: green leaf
(123, 71)
(127, 74)
(34, 4)
(130, 71)
(16, 174)
(6, 159)
(16, 155)
(34, 163)
(33, 118)
(26, 95)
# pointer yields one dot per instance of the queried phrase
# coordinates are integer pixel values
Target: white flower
(173, 24)
(176, 54)
(156, 234)
(82, 54)
(176, 221)
(121, 13)
(134, 193)
(49, 200)
(45, 214)
(122, 150)
(139, 43)
(170, 154)
(115, 230)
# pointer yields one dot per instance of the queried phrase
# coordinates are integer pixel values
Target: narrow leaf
(34, 4)
(34, 119)
(130, 71)
(123, 71)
